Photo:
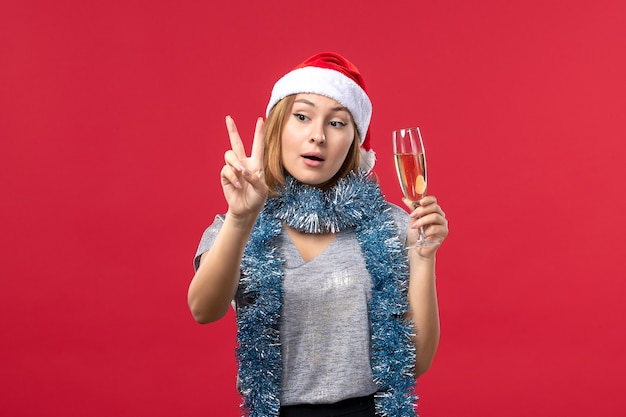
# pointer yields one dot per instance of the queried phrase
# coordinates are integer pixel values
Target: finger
(430, 209)
(436, 233)
(429, 220)
(240, 167)
(421, 211)
(235, 140)
(258, 145)
(255, 179)
(231, 159)
(229, 176)
(428, 200)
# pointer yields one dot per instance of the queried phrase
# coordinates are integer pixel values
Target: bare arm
(215, 282)
(423, 305)
(424, 311)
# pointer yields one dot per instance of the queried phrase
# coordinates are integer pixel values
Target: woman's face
(316, 138)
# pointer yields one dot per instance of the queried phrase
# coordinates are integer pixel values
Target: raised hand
(431, 217)
(243, 181)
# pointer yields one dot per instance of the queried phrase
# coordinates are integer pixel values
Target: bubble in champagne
(420, 185)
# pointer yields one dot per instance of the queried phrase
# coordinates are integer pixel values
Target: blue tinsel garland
(356, 201)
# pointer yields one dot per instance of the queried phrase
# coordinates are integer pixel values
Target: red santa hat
(331, 75)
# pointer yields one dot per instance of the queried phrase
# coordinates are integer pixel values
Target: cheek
(344, 148)
(286, 144)
(289, 148)
(290, 136)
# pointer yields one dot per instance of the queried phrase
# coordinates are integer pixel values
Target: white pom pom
(368, 159)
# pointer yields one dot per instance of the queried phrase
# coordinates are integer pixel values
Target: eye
(300, 117)
(337, 123)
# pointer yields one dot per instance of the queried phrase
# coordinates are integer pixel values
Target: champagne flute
(410, 157)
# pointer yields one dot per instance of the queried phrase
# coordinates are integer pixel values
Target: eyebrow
(310, 103)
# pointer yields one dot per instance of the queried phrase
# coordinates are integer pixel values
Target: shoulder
(399, 215)
(208, 237)
(215, 227)
(400, 218)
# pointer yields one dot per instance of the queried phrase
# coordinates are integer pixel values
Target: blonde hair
(272, 158)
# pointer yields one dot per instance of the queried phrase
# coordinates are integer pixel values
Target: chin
(311, 179)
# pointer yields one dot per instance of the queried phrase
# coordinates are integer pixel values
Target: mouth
(313, 157)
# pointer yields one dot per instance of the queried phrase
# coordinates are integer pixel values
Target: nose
(318, 136)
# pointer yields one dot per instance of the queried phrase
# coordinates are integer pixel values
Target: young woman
(335, 317)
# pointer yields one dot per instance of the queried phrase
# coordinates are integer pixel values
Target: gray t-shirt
(324, 328)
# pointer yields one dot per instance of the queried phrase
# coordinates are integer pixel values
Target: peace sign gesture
(242, 177)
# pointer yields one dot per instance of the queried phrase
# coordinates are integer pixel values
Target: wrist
(422, 255)
(421, 265)
(241, 221)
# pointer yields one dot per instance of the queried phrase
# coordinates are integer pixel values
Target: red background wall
(112, 136)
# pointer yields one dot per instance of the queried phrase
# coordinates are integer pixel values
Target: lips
(313, 158)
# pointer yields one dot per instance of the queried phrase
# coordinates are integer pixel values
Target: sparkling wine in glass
(410, 157)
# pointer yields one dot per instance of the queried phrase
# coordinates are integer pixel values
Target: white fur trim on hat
(329, 83)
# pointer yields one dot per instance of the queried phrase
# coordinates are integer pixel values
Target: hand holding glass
(410, 157)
